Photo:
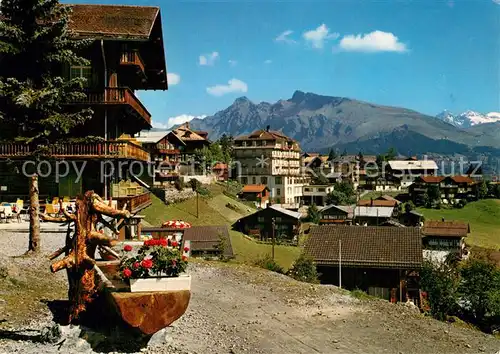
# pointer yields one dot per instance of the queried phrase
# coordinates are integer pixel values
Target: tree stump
(81, 246)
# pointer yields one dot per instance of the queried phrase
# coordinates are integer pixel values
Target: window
(263, 180)
(81, 71)
(264, 143)
(278, 191)
(254, 180)
(277, 180)
(321, 189)
(260, 219)
(278, 219)
(244, 180)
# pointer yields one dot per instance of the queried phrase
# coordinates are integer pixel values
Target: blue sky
(426, 55)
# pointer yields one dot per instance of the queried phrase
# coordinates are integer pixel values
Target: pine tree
(35, 47)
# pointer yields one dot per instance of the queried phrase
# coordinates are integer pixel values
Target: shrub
(268, 263)
(179, 184)
(204, 191)
(304, 269)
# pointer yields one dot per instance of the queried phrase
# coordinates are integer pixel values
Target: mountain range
(468, 119)
(321, 122)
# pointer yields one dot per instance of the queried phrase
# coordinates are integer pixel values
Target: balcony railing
(169, 151)
(118, 96)
(132, 58)
(135, 203)
(102, 150)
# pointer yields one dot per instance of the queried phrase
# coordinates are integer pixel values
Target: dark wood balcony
(169, 151)
(117, 96)
(132, 58)
(101, 150)
(135, 203)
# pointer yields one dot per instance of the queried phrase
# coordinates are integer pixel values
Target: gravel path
(233, 309)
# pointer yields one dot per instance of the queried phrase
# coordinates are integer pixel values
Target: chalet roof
(462, 179)
(446, 228)
(293, 214)
(343, 208)
(185, 134)
(388, 197)
(373, 211)
(308, 159)
(431, 179)
(366, 246)
(116, 21)
(208, 238)
(413, 165)
(151, 137)
(262, 134)
(254, 188)
(378, 203)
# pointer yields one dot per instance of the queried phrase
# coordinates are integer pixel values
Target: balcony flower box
(159, 265)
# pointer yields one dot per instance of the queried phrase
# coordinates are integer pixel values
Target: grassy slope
(213, 211)
(483, 217)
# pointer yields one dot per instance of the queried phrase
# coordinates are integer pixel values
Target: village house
(336, 214)
(382, 261)
(258, 193)
(260, 224)
(440, 238)
(126, 55)
(408, 170)
(191, 141)
(451, 189)
(209, 241)
(273, 159)
(316, 194)
(221, 171)
(373, 215)
(379, 203)
(382, 183)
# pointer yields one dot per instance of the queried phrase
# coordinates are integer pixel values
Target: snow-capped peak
(468, 118)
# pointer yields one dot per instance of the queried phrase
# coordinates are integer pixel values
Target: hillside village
(388, 229)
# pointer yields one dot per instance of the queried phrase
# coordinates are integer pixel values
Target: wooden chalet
(260, 223)
(439, 238)
(336, 214)
(190, 140)
(382, 261)
(126, 55)
(258, 193)
(209, 240)
(378, 203)
(452, 189)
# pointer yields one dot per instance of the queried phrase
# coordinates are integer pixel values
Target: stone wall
(172, 195)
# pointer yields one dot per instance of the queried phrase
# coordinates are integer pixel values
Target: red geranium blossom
(186, 249)
(137, 265)
(175, 244)
(127, 273)
(147, 263)
(163, 242)
(127, 248)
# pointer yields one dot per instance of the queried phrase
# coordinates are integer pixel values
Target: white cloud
(268, 61)
(173, 79)
(376, 41)
(208, 59)
(232, 62)
(496, 2)
(318, 36)
(233, 85)
(183, 118)
(285, 37)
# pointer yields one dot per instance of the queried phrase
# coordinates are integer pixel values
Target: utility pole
(274, 224)
(340, 263)
(34, 210)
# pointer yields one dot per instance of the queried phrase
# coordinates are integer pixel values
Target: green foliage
(332, 154)
(204, 191)
(304, 269)
(226, 143)
(483, 190)
(268, 263)
(179, 184)
(319, 178)
(194, 184)
(409, 206)
(313, 214)
(433, 193)
(343, 194)
(34, 47)
(360, 294)
(480, 290)
(441, 282)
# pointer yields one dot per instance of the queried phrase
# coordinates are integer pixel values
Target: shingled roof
(446, 228)
(208, 238)
(133, 22)
(366, 246)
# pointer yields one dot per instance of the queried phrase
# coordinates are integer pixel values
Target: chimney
(187, 125)
(267, 128)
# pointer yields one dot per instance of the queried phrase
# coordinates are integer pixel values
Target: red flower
(186, 249)
(164, 242)
(174, 263)
(127, 273)
(184, 258)
(137, 265)
(147, 242)
(127, 248)
(147, 263)
(175, 243)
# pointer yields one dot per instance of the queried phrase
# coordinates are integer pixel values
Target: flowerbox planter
(182, 282)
